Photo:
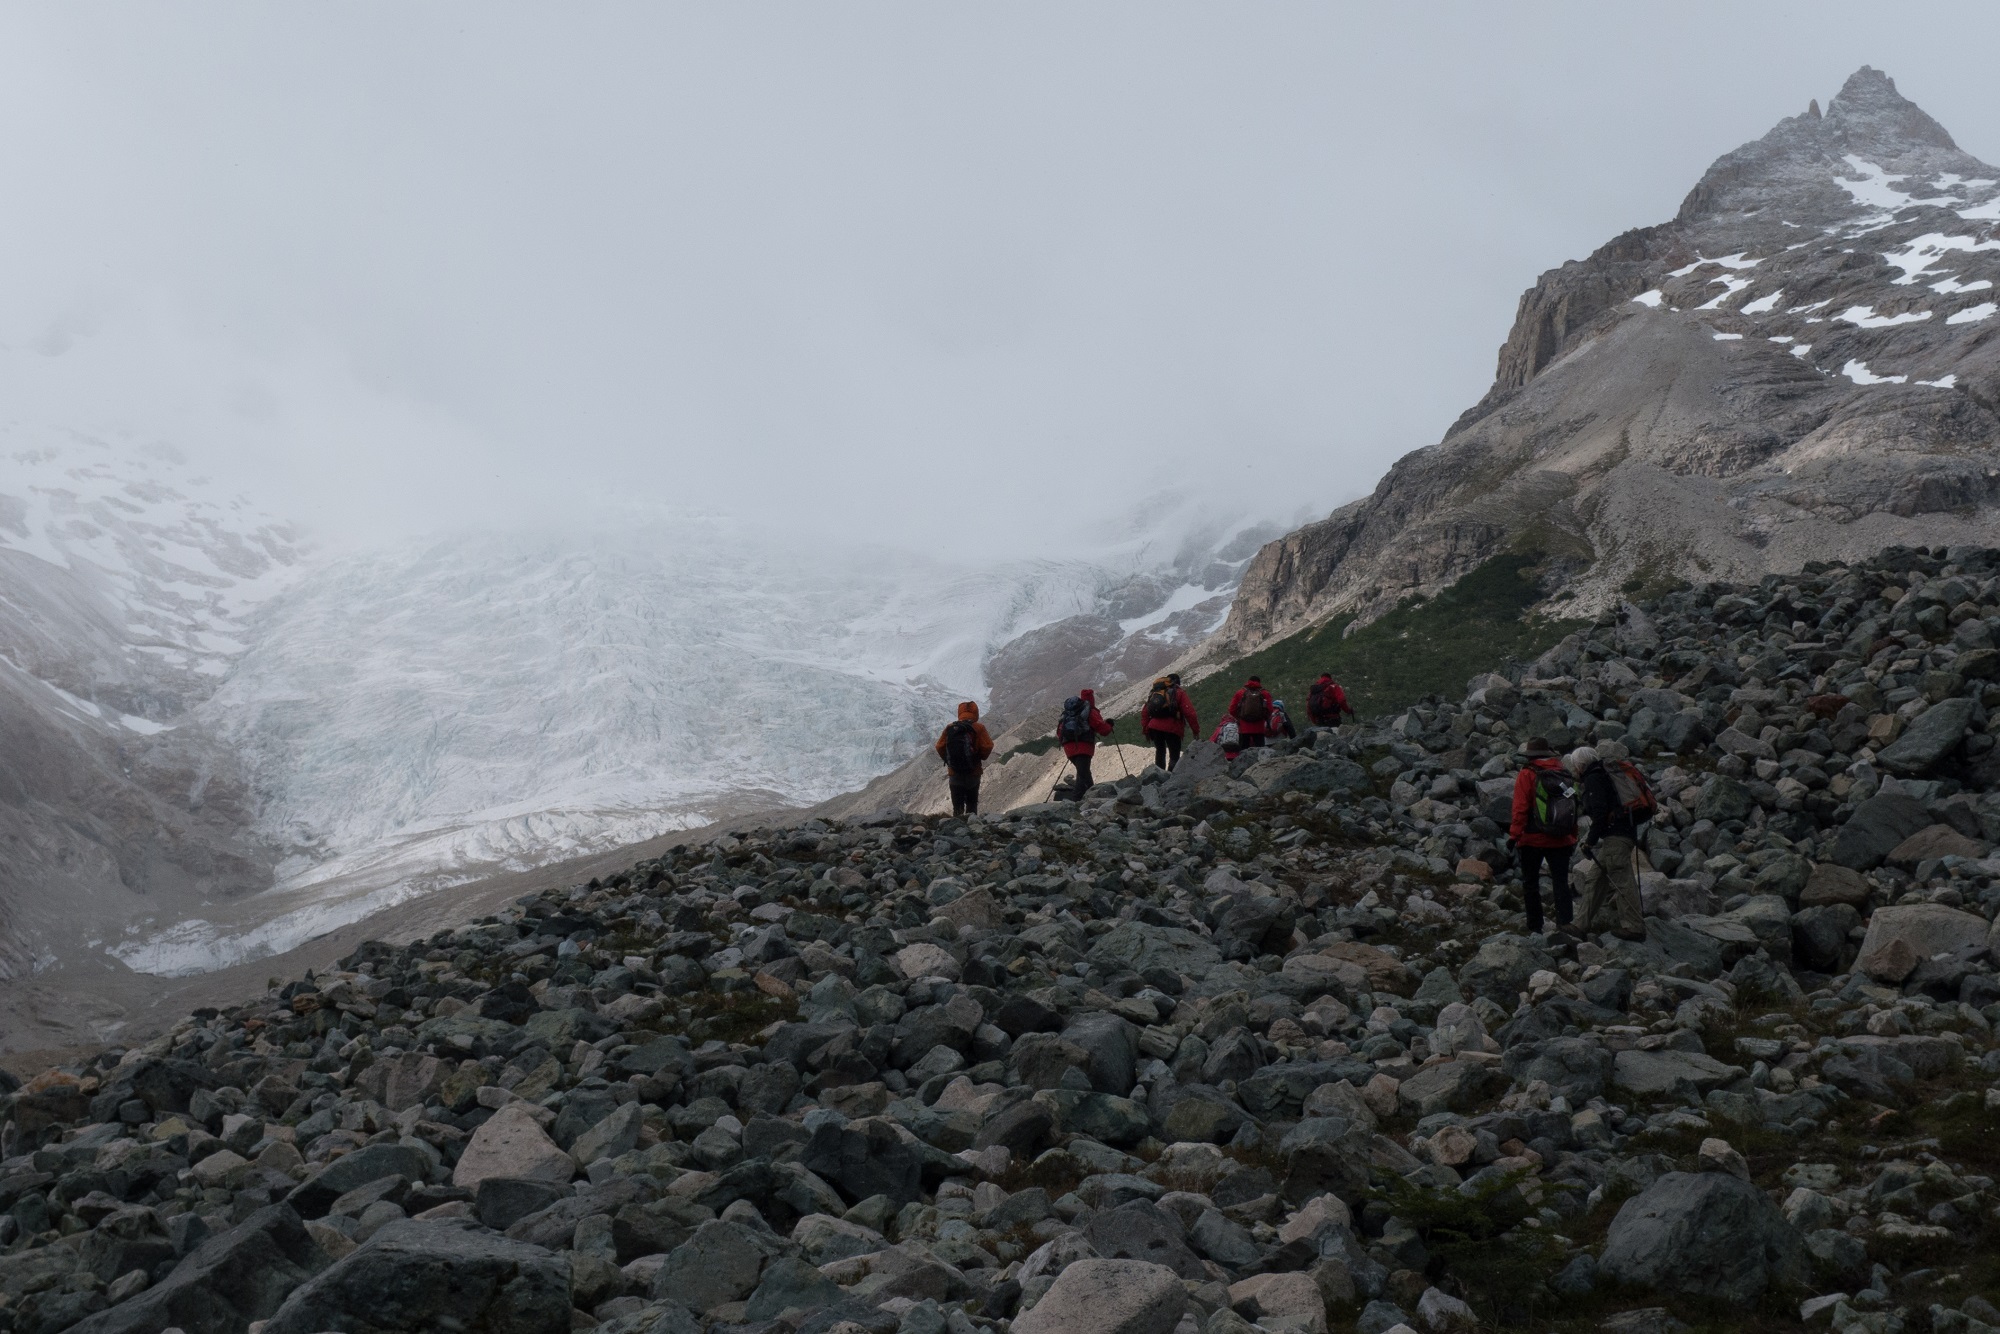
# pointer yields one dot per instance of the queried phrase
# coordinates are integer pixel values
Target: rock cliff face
(1802, 364)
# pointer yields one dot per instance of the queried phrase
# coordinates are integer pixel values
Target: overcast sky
(974, 274)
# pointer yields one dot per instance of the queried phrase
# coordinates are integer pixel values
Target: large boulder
(403, 1081)
(1819, 936)
(1927, 741)
(225, 1283)
(1136, 947)
(371, 1162)
(1108, 1297)
(1830, 884)
(512, 1143)
(1876, 827)
(720, 1263)
(1667, 1073)
(865, 1158)
(1574, 1067)
(1939, 840)
(417, 1275)
(1449, 1086)
(1111, 1044)
(1902, 937)
(1502, 967)
(1707, 1234)
(1142, 1230)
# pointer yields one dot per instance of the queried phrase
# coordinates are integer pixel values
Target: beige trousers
(1615, 878)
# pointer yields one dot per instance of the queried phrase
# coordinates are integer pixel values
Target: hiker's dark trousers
(964, 794)
(1166, 748)
(1531, 888)
(1082, 763)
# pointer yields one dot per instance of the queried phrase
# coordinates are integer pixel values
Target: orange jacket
(968, 712)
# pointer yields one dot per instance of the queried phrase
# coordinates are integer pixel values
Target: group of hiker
(1166, 720)
(1551, 794)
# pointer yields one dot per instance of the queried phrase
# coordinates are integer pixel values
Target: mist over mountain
(228, 740)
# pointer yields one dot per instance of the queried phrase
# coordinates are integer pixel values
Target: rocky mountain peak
(1800, 163)
(1869, 115)
(1801, 365)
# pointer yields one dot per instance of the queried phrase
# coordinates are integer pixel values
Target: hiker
(1619, 801)
(964, 746)
(1230, 737)
(1167, 717)
(1543, 829)
(1078, 729)
(1250, 710)
(1281, 721)
(1326, 702)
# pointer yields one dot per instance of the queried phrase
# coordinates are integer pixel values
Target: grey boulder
(1934, 735)
(1704, 1234)
(225, 1283)
(1876, 827)
(416, 1276)
(1108, 1297)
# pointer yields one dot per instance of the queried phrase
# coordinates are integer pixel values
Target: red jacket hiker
(1326, 691)
(1243, 725)
(1097, 725)
(1185, 725)
(1524, 798)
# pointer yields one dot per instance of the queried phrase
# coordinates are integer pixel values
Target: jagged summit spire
(1871, 116)
(1867, 119)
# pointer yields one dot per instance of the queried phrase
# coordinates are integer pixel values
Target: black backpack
(1163, 702)
(1552, 809)
(1075, 724)
(1320, 705)
(1256, 707)
(961, 748)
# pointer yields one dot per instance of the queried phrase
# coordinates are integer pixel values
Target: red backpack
(1635, 794)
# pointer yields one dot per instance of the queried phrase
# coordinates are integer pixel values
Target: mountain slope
(125, 591)
(1802, 364)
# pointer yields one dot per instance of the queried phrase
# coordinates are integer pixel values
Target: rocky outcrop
(1799, 366)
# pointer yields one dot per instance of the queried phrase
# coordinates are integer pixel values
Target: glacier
(416, 714)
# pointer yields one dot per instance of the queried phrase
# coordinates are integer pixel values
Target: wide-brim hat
(1538, 748)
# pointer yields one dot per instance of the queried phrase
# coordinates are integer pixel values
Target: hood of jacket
(1087, 696)
(968, 712)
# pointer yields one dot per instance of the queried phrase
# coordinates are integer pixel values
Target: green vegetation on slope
(1425, 646)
